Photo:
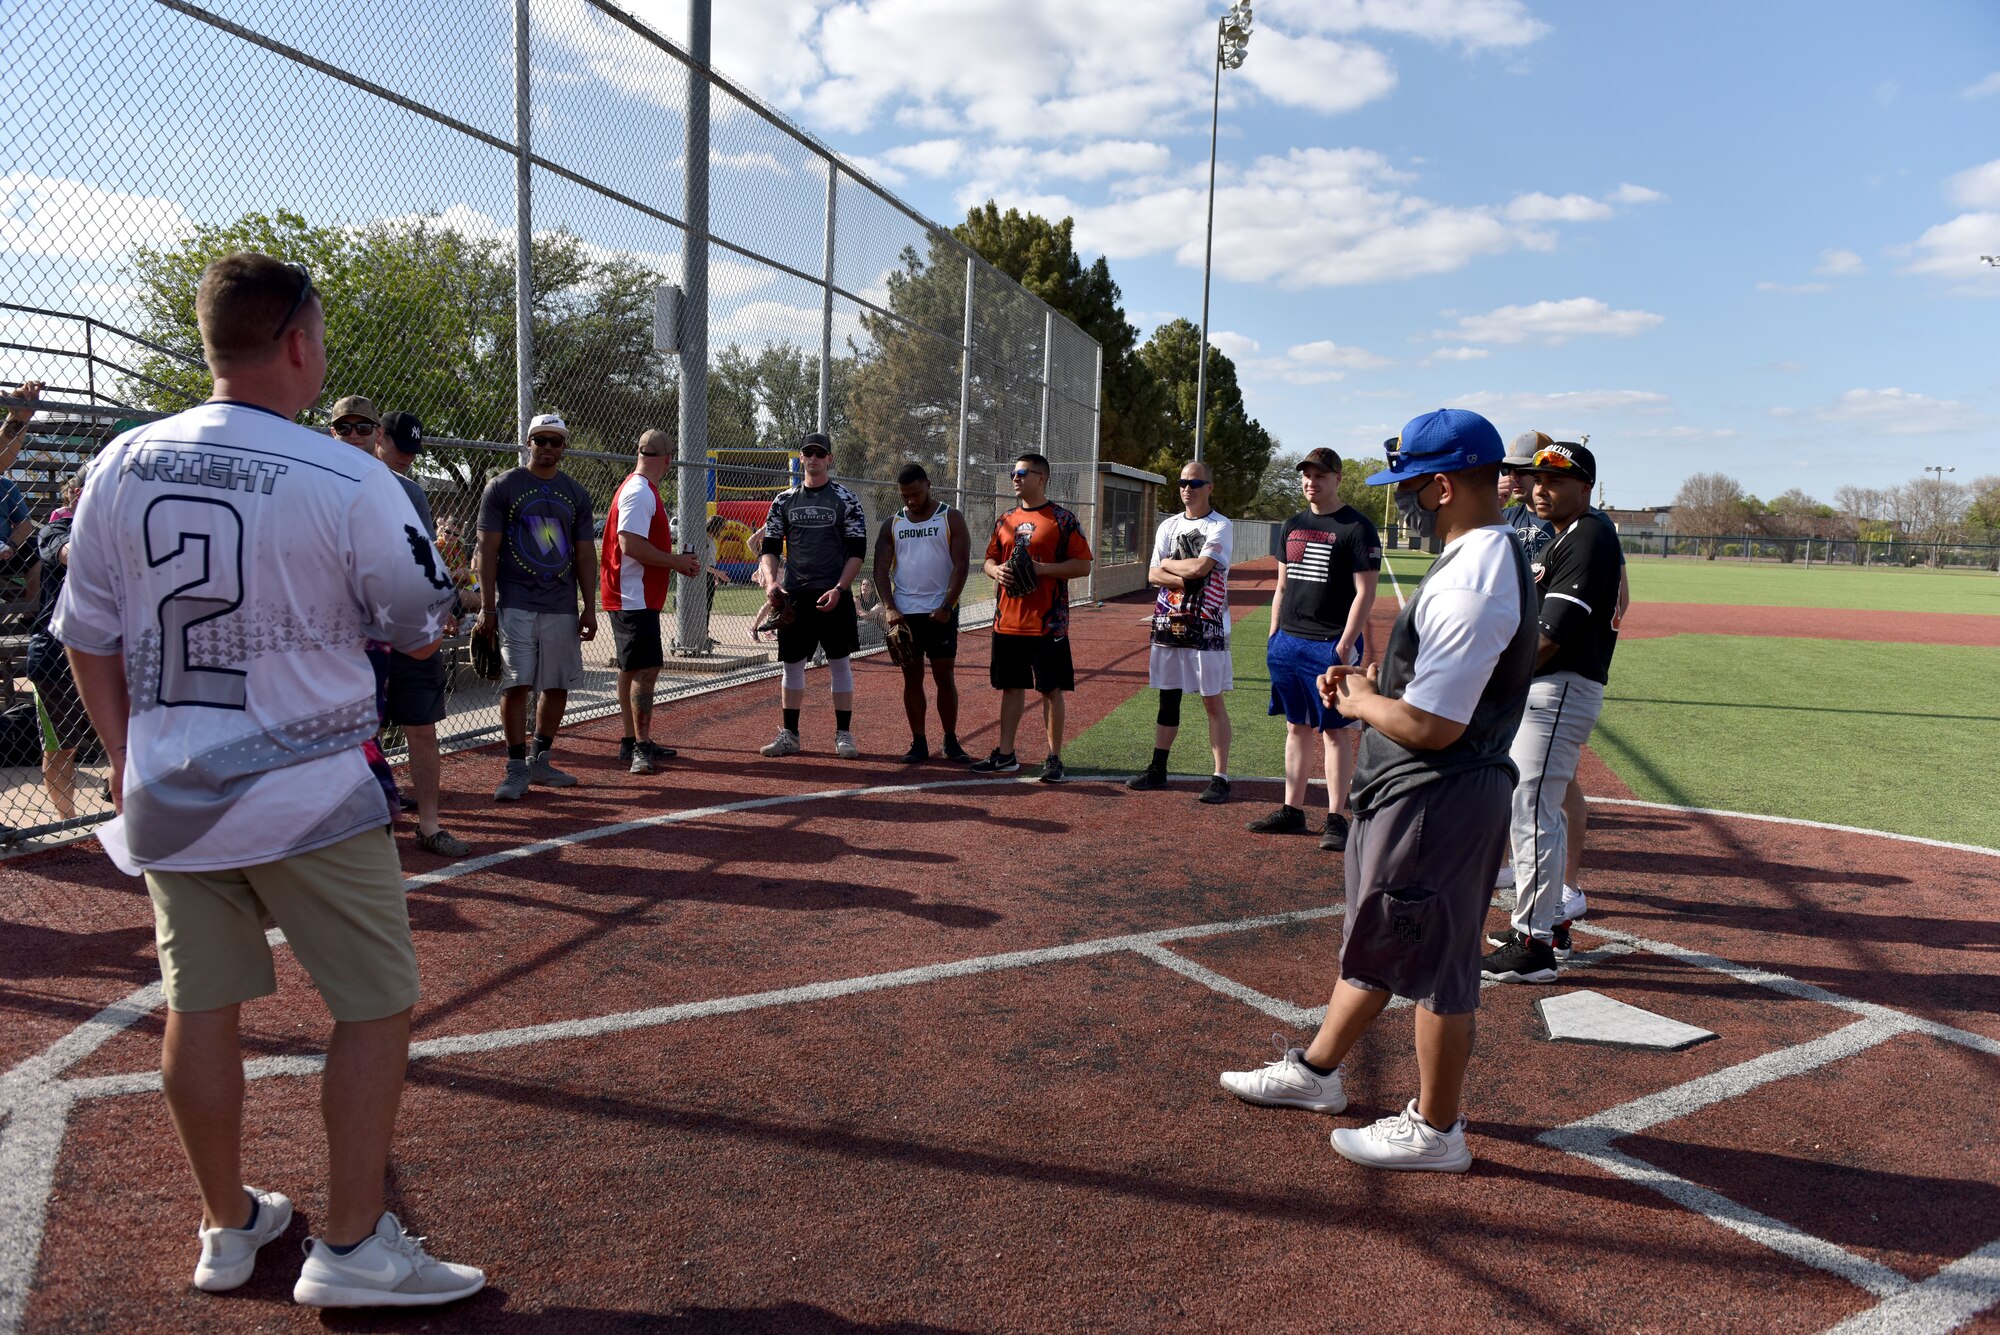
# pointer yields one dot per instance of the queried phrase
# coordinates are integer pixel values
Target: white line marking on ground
(1299, 1017)
(1394, 586)
(1944, 1302)
(1779, 1236)
(1794, 820)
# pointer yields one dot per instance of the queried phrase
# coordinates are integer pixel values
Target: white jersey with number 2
(238, 561)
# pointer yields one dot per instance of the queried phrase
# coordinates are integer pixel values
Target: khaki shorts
(342, 911)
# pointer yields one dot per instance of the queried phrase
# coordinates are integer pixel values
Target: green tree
(1041, 256)
(1236, 448)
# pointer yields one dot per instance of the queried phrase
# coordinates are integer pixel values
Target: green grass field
(1884, 736)
(1774, 584)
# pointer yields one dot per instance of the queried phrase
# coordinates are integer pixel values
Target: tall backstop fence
(514, 207)
(1938, 554)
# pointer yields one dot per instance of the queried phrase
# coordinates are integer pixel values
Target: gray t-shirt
(420, 501)
(540, 523)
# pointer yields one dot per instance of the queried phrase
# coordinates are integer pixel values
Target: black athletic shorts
(838, 632)
(635, 639)
(416, 689)
(1031, 662)
(934, 639)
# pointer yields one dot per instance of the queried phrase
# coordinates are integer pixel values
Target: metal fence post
(1048, 339)
(826, 307)
(1096, 458)
(965, 384)
(690, 504)
(524, 238)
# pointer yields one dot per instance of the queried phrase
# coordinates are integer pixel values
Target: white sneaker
(1287, 1083)
(390, 1269)
(844, 747)
(786, 743)
(1406, 1142)
(228, 1255)
(1574, 905)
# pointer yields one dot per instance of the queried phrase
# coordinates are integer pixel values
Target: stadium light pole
(1937, 508)
(1232, 47)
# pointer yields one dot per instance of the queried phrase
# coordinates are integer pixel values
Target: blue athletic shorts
(1296, 664)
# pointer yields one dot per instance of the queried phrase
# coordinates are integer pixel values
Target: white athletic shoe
(228, 1255)
(1287, 1083)
(786, 743)
(1406, 1142)
(844, 747)
(390, 1269)
(1574, 905)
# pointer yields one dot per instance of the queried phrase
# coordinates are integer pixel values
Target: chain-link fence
(1942, 554)
(524, 206)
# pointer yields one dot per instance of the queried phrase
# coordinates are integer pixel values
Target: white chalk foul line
(1944, 1302)
(1795, 820)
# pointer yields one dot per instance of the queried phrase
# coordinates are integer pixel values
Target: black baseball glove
(486, 654)
(772, 617)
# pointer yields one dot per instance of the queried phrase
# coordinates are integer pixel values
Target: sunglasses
(1026, 472)
(305, 290)
(353, 428)
(546, 439)
(1550, 459)
(815, 452)
(655, 454)
(1197, 483)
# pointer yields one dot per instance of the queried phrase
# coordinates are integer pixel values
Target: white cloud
(931, 157)
(1551, 322)
(756, 160)
(1567, 412)
(1473, 24)
(1897, 412)
(1318, 73)
(46, 215)
(1677, 433)
(1842, 261)
(1635, 194)
(1232, 345)
(1319, 362)
(1538, 207)
(1976, 187)
(1986, 87)
(1794, 289)
(1460, 355)
(1952, 249)
(1106, 157)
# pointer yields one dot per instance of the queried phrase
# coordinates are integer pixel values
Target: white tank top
(923, 560)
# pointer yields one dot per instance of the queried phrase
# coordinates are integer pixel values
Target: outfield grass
(1885, 736)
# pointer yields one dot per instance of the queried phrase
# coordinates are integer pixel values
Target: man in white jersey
(922, 556)
(1191, 629)
(639, 561)
(225, 567)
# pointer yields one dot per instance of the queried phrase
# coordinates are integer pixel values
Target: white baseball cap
(549, 422)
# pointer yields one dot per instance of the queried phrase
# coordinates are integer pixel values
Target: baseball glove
(902, 644)
(486, 655)
(772, 617)
(1021, 577)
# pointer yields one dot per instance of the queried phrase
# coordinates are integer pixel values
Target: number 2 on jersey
(201, 541)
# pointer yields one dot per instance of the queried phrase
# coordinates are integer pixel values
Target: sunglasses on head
(548, 438)
(816, 452)
(1195, 482)
(353, 428)
(1551, 459)
(305, 290)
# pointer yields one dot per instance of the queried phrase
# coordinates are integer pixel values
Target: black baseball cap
(1319, 458)
(404, 431)
(1562, 458)
(816, 438)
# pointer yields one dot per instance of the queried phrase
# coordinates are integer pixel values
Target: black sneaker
(1000, 762)
(955, 753)
(1522, 960)
(1147, 780)
(1562, 946)
(1216, 792)
(1503, 937)
(1334, 838)
(655, 752)
(918, 753)
(1285, 820)
(1052, 770)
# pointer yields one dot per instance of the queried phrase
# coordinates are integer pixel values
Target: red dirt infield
(869, 1056)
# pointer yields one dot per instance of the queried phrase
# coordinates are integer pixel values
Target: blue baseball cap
(1445, 441)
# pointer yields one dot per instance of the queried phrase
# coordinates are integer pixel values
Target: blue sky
(1714, 236)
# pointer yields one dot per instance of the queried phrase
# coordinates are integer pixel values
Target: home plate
(1592, 1017)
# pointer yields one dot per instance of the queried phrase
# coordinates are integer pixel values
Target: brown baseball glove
(486, 655)
(902, 644)
(773, 617)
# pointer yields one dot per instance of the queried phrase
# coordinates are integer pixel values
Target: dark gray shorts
(1419, 883)
(417, 689)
